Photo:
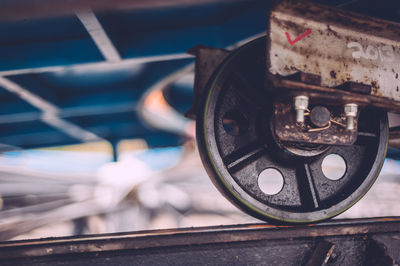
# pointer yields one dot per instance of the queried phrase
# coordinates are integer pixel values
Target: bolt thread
(300, 116)
(350, 123)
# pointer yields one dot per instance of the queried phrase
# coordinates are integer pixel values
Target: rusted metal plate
(338, 46)
(286, 128)
(332, 96)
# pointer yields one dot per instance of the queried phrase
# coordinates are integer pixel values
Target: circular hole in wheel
(270, 181)
(334, 167)
(235, 123)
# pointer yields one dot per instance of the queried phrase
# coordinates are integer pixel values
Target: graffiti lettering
(384, 53)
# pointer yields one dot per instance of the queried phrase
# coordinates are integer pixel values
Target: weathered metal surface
(207, 60)
(340, 47)
(286, 128)
(339, 242)
(332, 96)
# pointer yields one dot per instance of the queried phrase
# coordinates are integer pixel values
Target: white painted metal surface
(339, 46)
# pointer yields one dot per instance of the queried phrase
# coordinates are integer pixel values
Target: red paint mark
(298, 38)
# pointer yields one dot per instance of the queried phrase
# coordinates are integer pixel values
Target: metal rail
(337, 242)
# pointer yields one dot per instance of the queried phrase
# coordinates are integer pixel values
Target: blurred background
(79, 189)
(93, 137)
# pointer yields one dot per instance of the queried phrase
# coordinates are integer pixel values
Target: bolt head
(351, 109)
(301, 102)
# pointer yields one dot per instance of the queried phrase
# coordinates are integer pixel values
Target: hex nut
(301, 102)
(351, 109)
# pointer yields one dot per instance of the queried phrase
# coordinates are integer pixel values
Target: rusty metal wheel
(252, 170)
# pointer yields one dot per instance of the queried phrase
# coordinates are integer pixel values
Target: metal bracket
(207, 61)
(286, 128)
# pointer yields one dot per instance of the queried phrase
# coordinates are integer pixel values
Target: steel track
(374, 241)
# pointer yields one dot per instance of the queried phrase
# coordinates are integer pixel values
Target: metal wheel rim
(232, 190)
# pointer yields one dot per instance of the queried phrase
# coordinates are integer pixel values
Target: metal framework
(71, 73)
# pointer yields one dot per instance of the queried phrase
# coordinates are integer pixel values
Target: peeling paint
(343, 47)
